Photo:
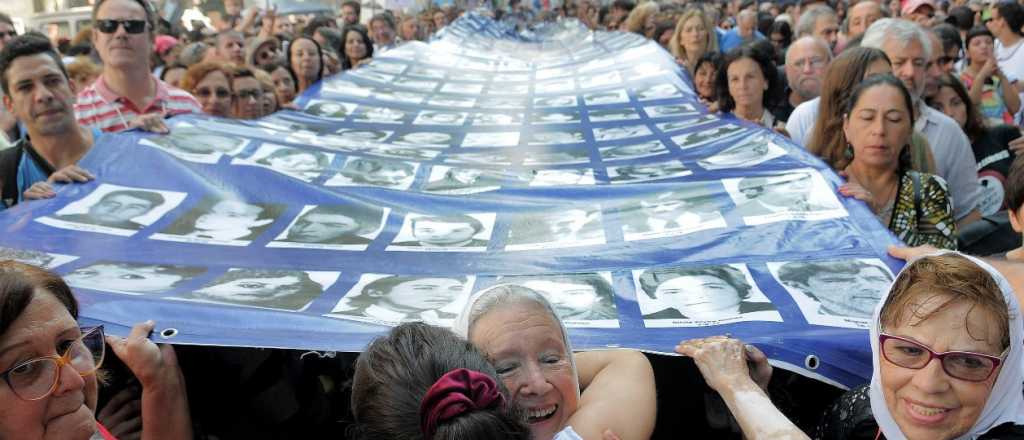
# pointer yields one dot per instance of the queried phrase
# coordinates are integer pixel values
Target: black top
(850, 418)
(994, 158)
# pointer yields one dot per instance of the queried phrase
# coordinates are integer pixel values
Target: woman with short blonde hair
(694, 36)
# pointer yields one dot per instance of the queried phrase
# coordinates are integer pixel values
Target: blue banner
(577, 163)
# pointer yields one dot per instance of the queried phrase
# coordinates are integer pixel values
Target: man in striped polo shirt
(127, 95)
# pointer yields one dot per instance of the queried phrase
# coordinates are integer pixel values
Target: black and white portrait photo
(799, 195)
(330, 109)
(687, 209)
(369, 171)
(613, 114)
(562, 177)
(505, 118)
(671, 126)
(445, 232)
(491, 139)
(606, 97)
(345, 227)
(277, 289)
(557, 157)
(424, 138)
(556, 137)
(480, 158)
(452, 101)
(223, 221)
(621, 132)
(658, 91)
(462, 180)
(425, 72)
(399, 96)
(573, 226)
(506, 103)
(439, 117)
(303, 164)
(394, 299)
(708, 136)
(131, 278)
(841, 293)
(700, 296)
(555, 101)
(380, 115)
(744, 153)
(363, 135)
(343, 87)
(114, 209)
(580, 299)
(555, 117)
(193, 144)
(633, 151)
(508, 89)
(418, 85)
(463, 88)
(563, 86)
(606, 79)
(647, 172)
(659, 111)
(41, 259)
(407, 152)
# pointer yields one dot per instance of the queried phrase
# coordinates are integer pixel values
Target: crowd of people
(917, 104)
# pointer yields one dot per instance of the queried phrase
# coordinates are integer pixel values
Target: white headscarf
(1005, 404)
(507, 294)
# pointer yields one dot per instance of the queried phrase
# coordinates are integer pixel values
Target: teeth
(541, 412)
(926, 411)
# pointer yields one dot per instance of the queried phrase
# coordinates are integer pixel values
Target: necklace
(1013, 52)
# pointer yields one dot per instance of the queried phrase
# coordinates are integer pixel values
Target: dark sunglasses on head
(9, 34)
(130, 26)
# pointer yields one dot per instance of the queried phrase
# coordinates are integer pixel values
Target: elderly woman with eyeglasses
(48, 365)
(948, 356)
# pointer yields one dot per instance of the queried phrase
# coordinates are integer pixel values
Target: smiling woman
(48, 365)
(521, 335)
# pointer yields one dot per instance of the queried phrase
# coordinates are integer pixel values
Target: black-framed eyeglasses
(219, 92)
(37, 378)
(963, 365)
(130, 26)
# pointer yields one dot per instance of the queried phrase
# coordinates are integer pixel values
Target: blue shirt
(31, 172)
(732, 39)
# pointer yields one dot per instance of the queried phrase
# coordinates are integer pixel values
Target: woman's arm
(723, 363)
(1010, 94)
(618, 395)
(165, 413)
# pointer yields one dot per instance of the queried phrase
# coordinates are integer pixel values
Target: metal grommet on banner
(811, 362)
(169, 333)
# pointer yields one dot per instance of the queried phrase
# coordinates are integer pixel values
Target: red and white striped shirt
(99, 107)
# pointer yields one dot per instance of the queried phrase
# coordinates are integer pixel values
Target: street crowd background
(934, 156)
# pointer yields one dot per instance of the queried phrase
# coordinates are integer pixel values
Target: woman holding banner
(49, 365)
(518, 330)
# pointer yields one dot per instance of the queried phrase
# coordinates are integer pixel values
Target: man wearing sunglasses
(127, 95)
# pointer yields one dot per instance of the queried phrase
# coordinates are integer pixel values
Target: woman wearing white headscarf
(520, 333)
(949, 308)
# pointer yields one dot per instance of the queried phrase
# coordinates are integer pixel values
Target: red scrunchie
(455, 393)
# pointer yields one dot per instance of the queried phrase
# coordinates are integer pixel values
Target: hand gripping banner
(579, 164)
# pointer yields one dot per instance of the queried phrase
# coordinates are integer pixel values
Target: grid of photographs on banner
(393, 299)
(582, 300)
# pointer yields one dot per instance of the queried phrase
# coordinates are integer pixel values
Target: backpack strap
(10, 158)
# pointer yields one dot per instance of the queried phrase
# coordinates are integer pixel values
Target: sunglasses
(963, 365)
(130, 26)
(220, 93)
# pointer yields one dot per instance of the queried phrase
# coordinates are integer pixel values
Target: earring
(848, 151)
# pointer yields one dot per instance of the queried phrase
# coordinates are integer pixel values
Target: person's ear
(8, 104)
(1015, 221)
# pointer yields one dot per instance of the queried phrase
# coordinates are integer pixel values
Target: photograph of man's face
(381, 115)
(425, 138)
(434, 117)
(119, 207)
(703, 137)
(555, 117)
(375, 172)
(616, 133)
(847, 288)
(741, 154)
(413, 295)
(555, 101)
(440, 232)
(613, 115)
(659, 91)
(364, 135)
(452, 101)
(572, 225)
(670, 126)
(189, 140)
(657, 111)
(277, 289)
(330, 109)
(794, 189)
(495, 158)
(553, 157)
(612, 97)
(643, 149)
(230, 214)
(556, 137)
(335, 224)
(498, 119)
(575, 297)
(647, 172)
(131, 277)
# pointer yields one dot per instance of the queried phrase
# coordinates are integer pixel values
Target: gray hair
(506, 294)
(903, 31)
(809, 18)
(817, 42)
(745, 15)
